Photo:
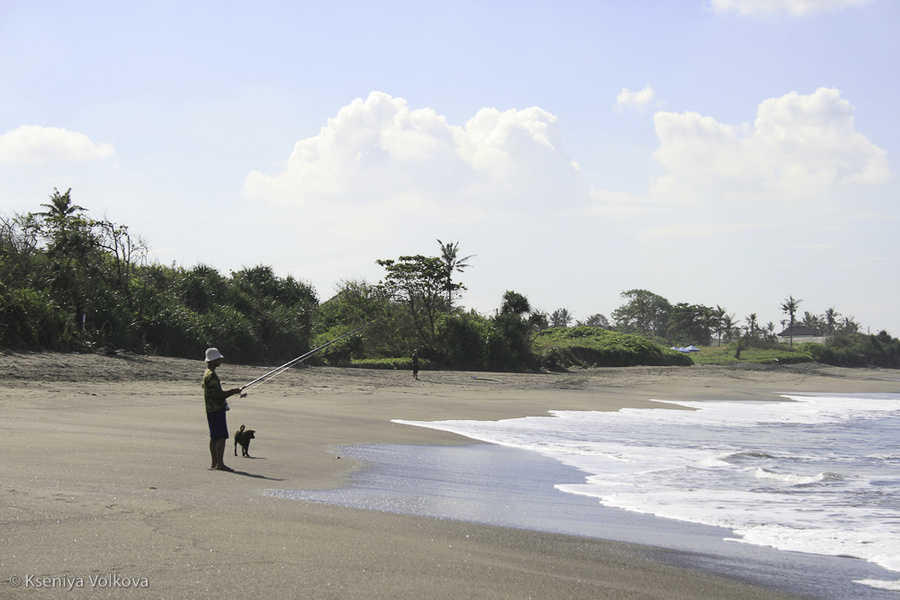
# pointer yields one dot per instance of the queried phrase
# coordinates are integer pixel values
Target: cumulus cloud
(33, 144)
(640, 100)
(381, 160)
(799, 146)
(775, 7)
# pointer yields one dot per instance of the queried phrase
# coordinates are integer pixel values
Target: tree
(832, 317)
(61, 206)
(848, 325)
(514, 303)
(508, 345)
(789, 307)
(691, 323)
(597, 320)
(538, 320)
(645, 313)
(463, 340)
(752, 325)
(814, 323)
(418, 282)
(728, 325)
(391, 333)
(561, 317)
(128, 253)
(452, 263)
(74, 265)
(717, 316)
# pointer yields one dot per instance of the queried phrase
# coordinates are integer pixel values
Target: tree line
(652, 315)
(69, 282)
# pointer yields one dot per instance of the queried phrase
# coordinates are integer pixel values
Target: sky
(727, 153)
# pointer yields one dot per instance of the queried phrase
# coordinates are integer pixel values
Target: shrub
(858, 350)
(591, 346)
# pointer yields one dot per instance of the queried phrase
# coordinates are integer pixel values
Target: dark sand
(105, 479)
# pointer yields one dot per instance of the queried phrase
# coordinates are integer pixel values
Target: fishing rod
(300, 358)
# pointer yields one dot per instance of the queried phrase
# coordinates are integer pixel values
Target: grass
(590, 346)
(724, 355)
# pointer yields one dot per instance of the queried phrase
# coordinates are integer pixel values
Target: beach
(108, 492)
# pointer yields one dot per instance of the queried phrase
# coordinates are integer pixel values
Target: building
(800, 334)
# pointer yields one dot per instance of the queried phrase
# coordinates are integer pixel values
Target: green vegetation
(399, 364)
(69, 282)
(858, 350)
(72, 283)
(774, 354)
(590, 346)
(850, 350)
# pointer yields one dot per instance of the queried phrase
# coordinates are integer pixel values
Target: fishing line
(299, 359)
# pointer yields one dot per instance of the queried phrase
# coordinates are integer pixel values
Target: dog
(243, 438)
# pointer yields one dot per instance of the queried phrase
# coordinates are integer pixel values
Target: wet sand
(107, 490)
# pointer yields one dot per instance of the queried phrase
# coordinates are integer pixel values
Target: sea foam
(812, 473)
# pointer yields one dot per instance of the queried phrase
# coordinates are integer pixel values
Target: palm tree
(831, 319)
(718, 317)
(751, 324)
(727, 324)
(452, 262)
(61, 206)
(598, 320)
(790, 308)
(561, 317)
(813, 322)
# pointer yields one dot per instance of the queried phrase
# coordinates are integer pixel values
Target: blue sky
(717, 152)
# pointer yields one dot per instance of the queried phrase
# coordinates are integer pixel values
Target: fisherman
(214, 397)
(415, 364)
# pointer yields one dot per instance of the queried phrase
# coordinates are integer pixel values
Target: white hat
(213, 354)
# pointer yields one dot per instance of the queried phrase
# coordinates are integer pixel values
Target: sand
(107, 492)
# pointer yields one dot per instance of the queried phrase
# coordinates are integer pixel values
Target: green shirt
(212, 384)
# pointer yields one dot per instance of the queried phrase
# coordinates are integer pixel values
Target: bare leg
(220, 456)
(212, 452)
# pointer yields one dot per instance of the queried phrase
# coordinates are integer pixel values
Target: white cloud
(33, 144)
(793, 7)
(799, 147)
(378, 163)
(639, 100)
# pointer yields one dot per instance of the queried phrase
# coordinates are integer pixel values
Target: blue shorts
(218, 426)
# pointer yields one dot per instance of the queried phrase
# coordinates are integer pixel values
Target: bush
(590, 346)
(30, 319)
(462, 341)
(399, 364)
(858, 350)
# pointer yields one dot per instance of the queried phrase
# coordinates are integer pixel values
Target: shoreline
(106, 472)
(494, 485)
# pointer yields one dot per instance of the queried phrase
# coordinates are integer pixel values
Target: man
(214, 397)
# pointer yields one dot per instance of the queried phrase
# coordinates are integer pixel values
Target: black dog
(243, 438)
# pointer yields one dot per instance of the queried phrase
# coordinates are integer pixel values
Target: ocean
(801, 493)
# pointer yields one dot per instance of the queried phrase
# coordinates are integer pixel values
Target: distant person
(415, 364)
(214, 397)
